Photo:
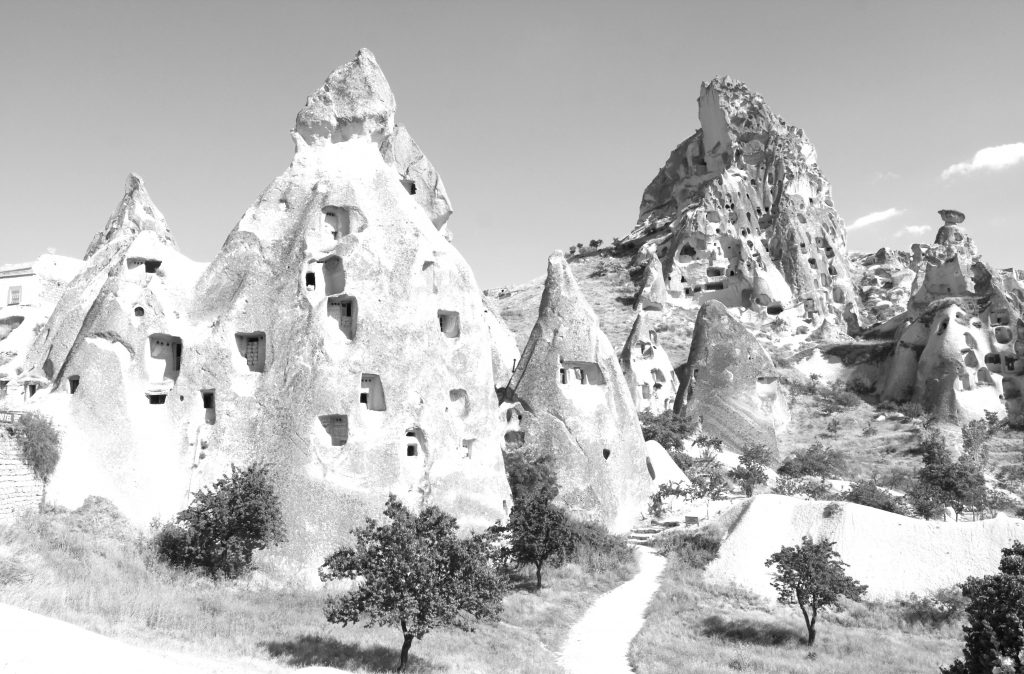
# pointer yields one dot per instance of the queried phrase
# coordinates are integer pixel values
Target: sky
(546, 120)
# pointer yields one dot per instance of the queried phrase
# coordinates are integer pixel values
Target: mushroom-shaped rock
(578, 407)
(729, 381)
(648, 369)
(356, 100)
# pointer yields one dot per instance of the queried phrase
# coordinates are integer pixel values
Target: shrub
(531, 473)
(871, 495)
(870, 429)
(225, 524)
(832, 428)
(831, 510)
(911, 409)
(539, 534)
(694, 547)
(416, 573)
(816, 460)
(595, 549)
(39, 442)
(751, 471)
(665, 491)
(668, 428)
(939, 608)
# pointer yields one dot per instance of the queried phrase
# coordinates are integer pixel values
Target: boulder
(730, 382)
(577, 405)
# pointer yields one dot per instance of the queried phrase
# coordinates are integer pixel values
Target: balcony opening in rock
(344, 310)
(580, 372)
(140, 312)
(449, 322)
(371, 393)
(166, 348)
(409, 186)
(156, 398)
(209, 405)
(606, 453)
(253, 347)
(73, 382)
(336, 426)
(687, 251)
(467, 448)
(338, 220)
(994, 362)
(334, 275)
(310, 280)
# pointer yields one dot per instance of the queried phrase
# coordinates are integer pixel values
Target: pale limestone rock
(741, 214)
(729, 382)
(504, 350)
(577, 405)
(648, 370)
(652, 295)
(662, 468)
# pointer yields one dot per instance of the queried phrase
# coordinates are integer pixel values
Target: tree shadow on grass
(318, 650)
(751, 631)
(626, 299)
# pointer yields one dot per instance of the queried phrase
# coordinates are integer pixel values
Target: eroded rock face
(356, 100)
(577, 405)
(741, 214)
(959, 349)
(730, 382)
(337, 336)
(648, 370)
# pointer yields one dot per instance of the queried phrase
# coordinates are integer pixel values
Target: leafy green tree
(668, 428)
(539, 534)
(225, 523)
(752, 469)
(39, 442)
(994, 634)
(871, 495)
(416, 574)
(812, 576)
(817, 460)
(531, 474)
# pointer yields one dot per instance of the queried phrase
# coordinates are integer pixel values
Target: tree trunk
(538, 576)
(811, 633)
(809, 622)
(406, 645)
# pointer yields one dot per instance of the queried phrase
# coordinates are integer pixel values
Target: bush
(668, 428)
(531, 473)
(816, 460)
(831, 510)
(39, 442)
(911, 409)
(596, 550)
(225, 524)
(694, 547)
(939, 608)
(871, 495)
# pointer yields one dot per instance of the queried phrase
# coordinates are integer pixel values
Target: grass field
(89, 568)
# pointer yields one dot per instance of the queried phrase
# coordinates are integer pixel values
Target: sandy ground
(599, 641)
(893, 555)
(34, 644)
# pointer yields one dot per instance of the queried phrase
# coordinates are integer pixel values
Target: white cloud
(874, 218)
(988, 158)
(915, 230)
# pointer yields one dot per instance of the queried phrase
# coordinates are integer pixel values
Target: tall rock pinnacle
(741, 213)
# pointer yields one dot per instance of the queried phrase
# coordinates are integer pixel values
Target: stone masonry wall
(19, 488)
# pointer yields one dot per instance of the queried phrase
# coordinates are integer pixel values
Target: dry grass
(87, 567)
(694, 627)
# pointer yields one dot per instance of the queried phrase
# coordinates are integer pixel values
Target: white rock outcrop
(648, 369)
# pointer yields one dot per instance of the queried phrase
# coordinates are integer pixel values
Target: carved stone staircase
(646, 532)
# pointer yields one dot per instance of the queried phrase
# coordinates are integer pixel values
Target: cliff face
(575, 403)
(337, 336)
(741, 214)
(959, 348)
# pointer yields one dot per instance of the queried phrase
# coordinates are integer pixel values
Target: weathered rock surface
(337, 336)
(730, 382)
(577, 405)
(648, 370)
(959, 348)
(741, 214)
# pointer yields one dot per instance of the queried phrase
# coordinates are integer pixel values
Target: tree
(752, 469)
(225, 523)
(668, 428)
(531, 473)
(539, 533)
(39, 442)
(415, 574)
(817, 460)
(707, 478)
(873, 496)
(994, 634)
(812, 576)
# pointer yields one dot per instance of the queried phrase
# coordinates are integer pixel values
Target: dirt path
(599, 641)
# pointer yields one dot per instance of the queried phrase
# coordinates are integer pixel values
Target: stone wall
(19, 488)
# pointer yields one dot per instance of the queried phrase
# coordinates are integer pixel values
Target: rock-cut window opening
(580, 372)
(334, 275)
(209, 397)
(310, 280)
(73, 382)
(410, 186)
(1003, 334)
(14, 295)
(994, 362)
(412, 442)
(607, 453)
(371, 393)
(467, 448)
(149, 265)
(167, 348)
(156, 398)
(30, 390)
(449, 323)
(344, 310)
(338, 219)
(253, 348)
(336, 426)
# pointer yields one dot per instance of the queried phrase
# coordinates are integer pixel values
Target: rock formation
(577, 405)
(729, 382)
(648, 370)
(959, 348)
(741, 214)
(337, 336)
